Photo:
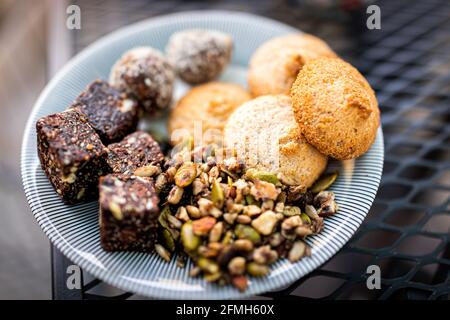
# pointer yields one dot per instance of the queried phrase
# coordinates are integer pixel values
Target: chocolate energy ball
(112, 113)
(128, 213)
(145, 73)
(135, 150)
(71, 154)
(199, 55)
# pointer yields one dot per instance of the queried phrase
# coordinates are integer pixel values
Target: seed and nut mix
(232, 222)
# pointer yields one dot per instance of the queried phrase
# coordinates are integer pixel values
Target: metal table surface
(408, 64)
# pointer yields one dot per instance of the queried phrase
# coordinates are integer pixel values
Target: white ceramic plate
(74, 229)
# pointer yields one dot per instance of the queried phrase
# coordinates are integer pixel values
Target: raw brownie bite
(113, 114)
(71, 154)
(128, 213)
(135, 150)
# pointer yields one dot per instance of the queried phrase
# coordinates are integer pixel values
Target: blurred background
(407, 62)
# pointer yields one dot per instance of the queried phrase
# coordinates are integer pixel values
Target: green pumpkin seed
(257, 270)
(324, 183)
(227, 237)
(168, 240)
(185, 174)
(247, 232)
(212, 277)
(188, 238)
(263, 176)
(249, 199)
(162, 219)
(230, 181)
(208, 265)
(217, 196)
(305, 218)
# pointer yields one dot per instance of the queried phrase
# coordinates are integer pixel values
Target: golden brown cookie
(336, 108)
(205, 110)
(266, 137)
(274, 65)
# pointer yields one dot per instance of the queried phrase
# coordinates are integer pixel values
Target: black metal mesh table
(408, 64)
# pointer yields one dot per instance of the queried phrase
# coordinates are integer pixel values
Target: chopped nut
(265, 223)
(252, 210)
(163, 253)
(264, 190)
(240, 282)
(203, 225)
(195, 272)
(264, 255)
(243, 244)
(161, 182)
(174, 222)
(197, 187)
(230, 217)
(186, 174)
(216, 232)
(207, 252)
(322, 197)
(297, 251)
(312, 212)
(193, 212)
(294, 193)
(291, 211)
(279, 216)
(291, 223)
(175, 195)
(216, 213)
(237, 266)
(171, 173)
(147, 171)
(205, 206)
(303, 231)
(325, 201)
(243, 219)
(236, 208)
(276, 239)
(182, 214)
(213, 173)
(267, 205)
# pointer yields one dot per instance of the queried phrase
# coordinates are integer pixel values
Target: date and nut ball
(199, 55)
(145, 73)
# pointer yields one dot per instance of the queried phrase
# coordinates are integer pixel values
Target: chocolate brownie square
(112, 113)
(128, 213)
(71, 154)
(135, 150)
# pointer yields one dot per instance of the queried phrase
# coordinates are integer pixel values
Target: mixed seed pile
(234, 222)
